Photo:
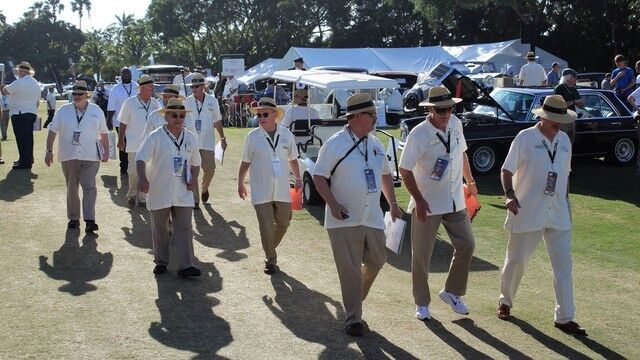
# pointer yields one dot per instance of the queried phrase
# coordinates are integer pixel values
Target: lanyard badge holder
(198, 125)
(552, 176)
(276, 164)
(199, 120)
(369, 174)
(441, 162)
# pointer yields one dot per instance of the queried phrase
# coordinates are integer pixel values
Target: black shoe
(20, 166)
(270, 268)
(190, 271)
(4, 138)
(356, 329)
(160, 269)
(73, 224)
(91, 226)
(205, 196)
(196, 206)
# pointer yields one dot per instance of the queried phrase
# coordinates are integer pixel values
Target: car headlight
(489, 81)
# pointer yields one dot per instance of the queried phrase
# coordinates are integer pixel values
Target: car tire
(310, 195)
(622, 152)
(484, 159)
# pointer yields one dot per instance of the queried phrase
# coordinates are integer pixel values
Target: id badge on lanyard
(439, 168)
(198, 125)
(370, 177)
(178, 166)
(76, 137)
(276, 166)
(552, 176)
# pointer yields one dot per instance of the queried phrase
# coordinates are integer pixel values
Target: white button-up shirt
(134, 113)
(92, 124)
(349, 184)
(159, 152)
(422, 150)
(258, 151)
(529, 163)
(298, 112)
(156, 119)
(51, 101)
(118, 95)
(209, 113)
(532, 74)
(25, 95)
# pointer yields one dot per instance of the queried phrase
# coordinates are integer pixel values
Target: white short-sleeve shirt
(118, 95)
(51, 101)
(349, 184)
(156, 119)
(65, 124)
(297, 113)
(25, 95)
(529, 163)
(532, 74)
(259, 152)
(134, 113)
(159, 152)
(420, 154)
(636, 96)
(208, 113)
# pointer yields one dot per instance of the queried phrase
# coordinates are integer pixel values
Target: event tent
(262, 70)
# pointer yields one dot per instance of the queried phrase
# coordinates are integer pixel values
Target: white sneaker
(456, 302)
(423, 313)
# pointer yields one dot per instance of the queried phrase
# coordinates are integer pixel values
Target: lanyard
(552, 156)
(447, 144)
(273, 146)
(130, 89)
(79, 118)
(173, 139)
(199, 110)
(366, 148)
(145, 107)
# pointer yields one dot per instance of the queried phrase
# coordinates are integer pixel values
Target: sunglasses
(176, 115)
(444, 110)
(264, 114)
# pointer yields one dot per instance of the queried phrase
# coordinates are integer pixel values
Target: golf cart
(311, 133)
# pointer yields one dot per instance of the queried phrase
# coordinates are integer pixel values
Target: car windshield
(517, 104)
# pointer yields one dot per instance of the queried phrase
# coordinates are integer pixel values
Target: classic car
(482, 72)
(604, 127)
(593, 79)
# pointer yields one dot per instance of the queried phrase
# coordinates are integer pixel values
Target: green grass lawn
(67, 295)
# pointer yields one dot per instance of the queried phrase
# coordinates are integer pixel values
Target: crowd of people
(165, 144)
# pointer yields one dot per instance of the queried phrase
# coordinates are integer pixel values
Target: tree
(56, 8)
(80, 6)
(94, 52)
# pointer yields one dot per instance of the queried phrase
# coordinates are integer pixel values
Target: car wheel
(484, 159)
(622, 152)
(309, 194)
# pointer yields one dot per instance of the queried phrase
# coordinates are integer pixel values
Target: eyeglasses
(176, 115)
(264, 114)
(444, 110)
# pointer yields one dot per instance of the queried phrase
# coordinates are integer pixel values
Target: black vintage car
(604, 127)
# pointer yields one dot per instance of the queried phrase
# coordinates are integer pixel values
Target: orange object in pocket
(472, 203)
(296, 198)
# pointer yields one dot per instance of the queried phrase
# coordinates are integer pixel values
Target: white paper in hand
(219, 153)
(113, 141)
(394, 232)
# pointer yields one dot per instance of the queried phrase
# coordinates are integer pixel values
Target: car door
(586, 138)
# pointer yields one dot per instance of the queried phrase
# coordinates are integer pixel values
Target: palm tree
(80, 6)
(56, 8)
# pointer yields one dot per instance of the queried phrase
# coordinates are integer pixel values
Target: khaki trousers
(273, 220)
(359, 253)
(520, 248)
(423, 239)
(182, 235)
(208, 169)
(132, 174)
(81, 173)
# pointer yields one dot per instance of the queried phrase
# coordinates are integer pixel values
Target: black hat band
(79, 88)
(171, 91)
(554, 110)
(145, 82)
(266, 104)
(175, 107)
(24, 67)
(363, 105)
(445, 97)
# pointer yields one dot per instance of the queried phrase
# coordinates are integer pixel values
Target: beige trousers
(182, 235)
(273, 221)
(81, 173)
(359, 253)
(208, 169)
(520, 248)
(423, 239)
(132, 174)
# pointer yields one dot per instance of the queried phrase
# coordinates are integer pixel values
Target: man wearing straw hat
(267, 150)
(117, 96)
(23, 109)
(206, 116)
(133, 120)
(532, 73)
(355, 162)
(82, 130)
(432, 166)
(535, 178)
(157, 119)
(168, 162)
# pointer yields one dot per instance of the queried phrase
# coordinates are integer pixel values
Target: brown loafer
(571, 327)
(504, 312)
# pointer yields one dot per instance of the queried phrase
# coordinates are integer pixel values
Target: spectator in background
(117, 96)
(300, 110)
(4, 119)
(567, 89)
(606, 82)
(532, 73)
(179, 80)
(51, 105)
(101, 97)
(553, 77)
(276, 92)
(622, 78)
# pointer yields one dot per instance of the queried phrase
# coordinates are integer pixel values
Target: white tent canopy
(415, 60)
(334, 80)
(262, 70)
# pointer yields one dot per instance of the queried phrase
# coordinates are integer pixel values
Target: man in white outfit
(532, 73)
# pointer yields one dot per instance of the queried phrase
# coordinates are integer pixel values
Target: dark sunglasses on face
(264, 114)
(176, 115)
(444, 110)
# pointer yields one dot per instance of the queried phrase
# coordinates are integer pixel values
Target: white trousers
(519, 250)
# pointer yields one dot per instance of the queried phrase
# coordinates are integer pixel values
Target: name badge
(178, 166)
(550, 188)
(76, 137)
(370, 176)
(438, 168)
(277, 167)
(198, 125)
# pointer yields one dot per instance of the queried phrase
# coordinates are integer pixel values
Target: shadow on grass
(187, 321)
(139, 234)
(228, 236)
(309, 315)
(17, 184)
(79, 265)
(457, 344)
(482, 335)
(117, 194)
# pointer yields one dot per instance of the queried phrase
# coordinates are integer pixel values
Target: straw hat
(268, 103)
(555, 109)
(439, 96)
(171, 90)
(80, 87)
(197, 80)
(359, 103)
(145, 80)
(175, 105)
(25, 66)
(531, 56)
